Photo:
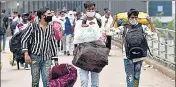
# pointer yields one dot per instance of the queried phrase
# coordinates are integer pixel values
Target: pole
(147, 6)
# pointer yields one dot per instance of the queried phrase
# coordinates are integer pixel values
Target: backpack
(68, 27)
(98, 21)
(57, 30)
(13, 25)
(5, 24)
(135, 41)
(5, 20)
(15, 45)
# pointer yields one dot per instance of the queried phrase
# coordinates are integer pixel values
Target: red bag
(63, 75)
(57, 30)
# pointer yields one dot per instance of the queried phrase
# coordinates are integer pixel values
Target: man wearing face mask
(132, 63)
(107, 21)
(89, 19)
(19, 27)
(42, 49)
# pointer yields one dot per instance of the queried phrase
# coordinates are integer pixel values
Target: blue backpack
(68, 26)
(13, 25)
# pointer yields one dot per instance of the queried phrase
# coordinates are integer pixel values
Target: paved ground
(113, 75)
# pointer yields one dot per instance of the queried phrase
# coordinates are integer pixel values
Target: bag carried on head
(92, 56)
(135, 42)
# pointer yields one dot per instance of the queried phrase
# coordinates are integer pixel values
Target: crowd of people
(39, 26)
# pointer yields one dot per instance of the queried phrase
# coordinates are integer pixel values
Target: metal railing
(161, 46)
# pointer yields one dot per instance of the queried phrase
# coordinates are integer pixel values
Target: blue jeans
(3, 41)
(84, 76)
(37, 67)
(133, 71)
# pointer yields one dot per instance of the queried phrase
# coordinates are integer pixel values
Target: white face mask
(133, 21)
(90, 14)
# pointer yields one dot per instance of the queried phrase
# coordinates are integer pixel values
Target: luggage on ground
(62, 75)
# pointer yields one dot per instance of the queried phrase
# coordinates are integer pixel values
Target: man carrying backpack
(3, 28)
(134, 46)
(21, 26)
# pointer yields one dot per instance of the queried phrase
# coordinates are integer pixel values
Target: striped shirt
(43, 43)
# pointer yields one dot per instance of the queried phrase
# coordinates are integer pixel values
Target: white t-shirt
(18, 28)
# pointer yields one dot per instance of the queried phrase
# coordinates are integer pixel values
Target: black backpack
(98, 21)
(4, 26)
(16, 46)
(135, 41)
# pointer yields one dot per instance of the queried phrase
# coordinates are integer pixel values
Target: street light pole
(18, 6)
(147, 6)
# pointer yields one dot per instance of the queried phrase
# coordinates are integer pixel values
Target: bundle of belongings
(91, 53)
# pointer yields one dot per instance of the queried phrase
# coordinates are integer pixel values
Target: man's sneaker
(26, 68)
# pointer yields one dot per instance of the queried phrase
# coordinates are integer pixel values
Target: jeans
(25, 65)
(37, 67)
(84, 76)
(133, 71)
(3, 41)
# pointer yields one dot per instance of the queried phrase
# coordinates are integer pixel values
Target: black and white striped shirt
(43, 43)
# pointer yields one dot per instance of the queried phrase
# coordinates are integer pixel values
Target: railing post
(159, 45)
(165, 48)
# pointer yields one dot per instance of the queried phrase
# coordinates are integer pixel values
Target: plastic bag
(87, 34)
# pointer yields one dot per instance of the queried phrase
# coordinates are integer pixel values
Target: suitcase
(62, 75)
(92, 56)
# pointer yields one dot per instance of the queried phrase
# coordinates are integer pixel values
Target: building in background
(116, 6)
(165, 7)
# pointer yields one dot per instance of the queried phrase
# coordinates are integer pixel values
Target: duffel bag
(62, 75)
(92, 56)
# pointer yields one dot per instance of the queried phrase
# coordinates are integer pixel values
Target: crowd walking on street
(38, 37)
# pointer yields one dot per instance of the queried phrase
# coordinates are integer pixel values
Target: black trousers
(108, 42)
(60, 44)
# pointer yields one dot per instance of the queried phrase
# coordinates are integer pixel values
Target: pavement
(113, 75)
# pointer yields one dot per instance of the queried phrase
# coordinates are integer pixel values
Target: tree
(170, 25)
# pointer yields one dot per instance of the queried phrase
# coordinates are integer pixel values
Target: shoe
(68, 53)
(26, 68)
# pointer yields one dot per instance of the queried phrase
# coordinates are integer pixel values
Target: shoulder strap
(124, 34)
(84, 20)
(99, 22)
